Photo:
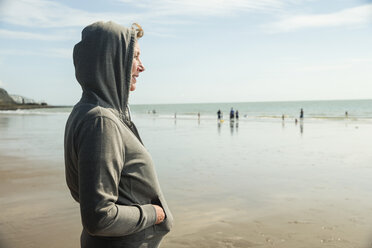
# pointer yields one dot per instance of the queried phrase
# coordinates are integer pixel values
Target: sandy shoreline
(37, 211)
(36, 208)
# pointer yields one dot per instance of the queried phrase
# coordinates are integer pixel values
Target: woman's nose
(141, 67)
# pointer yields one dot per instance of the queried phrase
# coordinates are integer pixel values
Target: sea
(335, 109)
(332, 109)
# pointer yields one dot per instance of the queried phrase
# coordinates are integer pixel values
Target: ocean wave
(34, 112)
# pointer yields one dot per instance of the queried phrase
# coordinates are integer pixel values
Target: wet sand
(37, 211)
(256, 184)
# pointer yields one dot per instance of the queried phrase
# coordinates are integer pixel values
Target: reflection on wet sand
(301, 126)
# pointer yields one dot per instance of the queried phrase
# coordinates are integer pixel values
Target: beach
(252, 183)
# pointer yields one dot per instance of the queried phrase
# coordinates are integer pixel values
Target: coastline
(27, 106)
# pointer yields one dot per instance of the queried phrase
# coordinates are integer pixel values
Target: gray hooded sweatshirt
(108, 170)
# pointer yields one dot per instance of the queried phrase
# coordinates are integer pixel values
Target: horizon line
(271, 101)
(314, 100)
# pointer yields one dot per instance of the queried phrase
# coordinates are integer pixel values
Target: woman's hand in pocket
(160, 215)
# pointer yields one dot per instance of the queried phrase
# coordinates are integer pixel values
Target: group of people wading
(234, 115)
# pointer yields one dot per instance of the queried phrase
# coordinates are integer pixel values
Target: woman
(108, 170)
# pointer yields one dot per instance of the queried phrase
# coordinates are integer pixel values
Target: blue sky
(198, 50)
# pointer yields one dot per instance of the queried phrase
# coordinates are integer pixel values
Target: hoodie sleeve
(100, 151)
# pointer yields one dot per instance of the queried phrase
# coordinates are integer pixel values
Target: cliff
(5, 99)
(18, 102)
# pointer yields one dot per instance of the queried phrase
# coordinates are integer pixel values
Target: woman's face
(137, 67)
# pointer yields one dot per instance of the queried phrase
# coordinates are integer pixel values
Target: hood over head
(103, 64)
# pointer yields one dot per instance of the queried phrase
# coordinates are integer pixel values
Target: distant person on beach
(237, 115)
(232, 114)
(346, 114)
(219, 114)
(301, 114)
(283, 117)
(108, 170)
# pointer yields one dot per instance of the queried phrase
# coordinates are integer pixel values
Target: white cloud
(59, 53)
(361, 60)
(329, 67)
(52, 52)
(356, 16)
(342, 65)
(18, 52)
(8, 34)
(205, 7)
(49, 14)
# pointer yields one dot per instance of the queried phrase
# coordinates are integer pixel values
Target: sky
(197, 51)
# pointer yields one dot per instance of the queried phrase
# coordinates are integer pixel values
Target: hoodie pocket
(167, 224)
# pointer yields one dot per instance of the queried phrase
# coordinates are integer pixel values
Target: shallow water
(260, 164)
(253, 162)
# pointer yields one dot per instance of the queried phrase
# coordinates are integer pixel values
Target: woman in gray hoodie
(108, 170)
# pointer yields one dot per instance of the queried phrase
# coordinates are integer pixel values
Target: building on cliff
(23, 100)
